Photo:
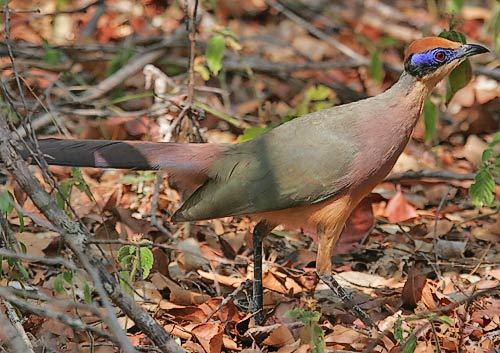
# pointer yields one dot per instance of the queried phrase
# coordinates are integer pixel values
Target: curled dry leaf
(412, 291)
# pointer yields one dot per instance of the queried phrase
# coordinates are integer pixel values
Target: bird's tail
(187, 163)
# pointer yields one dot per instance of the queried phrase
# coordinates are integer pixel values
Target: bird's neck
(411, 88)
(406, 100)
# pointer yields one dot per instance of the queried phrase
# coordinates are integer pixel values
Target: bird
(310, 172)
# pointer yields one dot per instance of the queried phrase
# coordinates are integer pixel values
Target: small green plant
(51, 55)
(311, 332)
(223, 38)
(134, 258)
(408, 338)
(482, 192)
(66, 280)
(66, 187)
(7, 206)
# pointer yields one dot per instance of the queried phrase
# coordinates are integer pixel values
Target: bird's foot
(346, 298)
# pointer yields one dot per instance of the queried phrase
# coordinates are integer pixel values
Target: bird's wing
(277, 170)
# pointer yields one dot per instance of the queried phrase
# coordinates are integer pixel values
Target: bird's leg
(259, 233)
(327, 240)
(347, 300)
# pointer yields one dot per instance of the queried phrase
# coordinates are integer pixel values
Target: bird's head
(431, 59)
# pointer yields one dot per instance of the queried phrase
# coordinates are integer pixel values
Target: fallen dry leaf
(279, 337)
(412, 290)
(210, 337)
(399, 210)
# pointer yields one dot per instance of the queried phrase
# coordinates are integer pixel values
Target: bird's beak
(467, 50)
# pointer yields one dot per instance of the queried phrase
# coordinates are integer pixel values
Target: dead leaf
(399, 210)
(210, 337)
(223, 280)
(449, 249)
(473, 149)
(279, 337)
(36, 243)
(414, 285)
(345, 335)
(190, 256)
(178, 295)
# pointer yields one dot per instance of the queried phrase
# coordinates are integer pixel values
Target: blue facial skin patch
(429, 57)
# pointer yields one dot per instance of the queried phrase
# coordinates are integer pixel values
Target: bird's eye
(440, 56)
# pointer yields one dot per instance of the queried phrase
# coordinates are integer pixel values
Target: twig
(154, 206)
(42, 311)
(431, 174)
(16, 323)
(245, 285)
(192, 48)
(41, 259)
(12, 334)
(91, 25)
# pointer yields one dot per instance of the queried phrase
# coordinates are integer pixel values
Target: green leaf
(68, 276)
(6, 202)
(431, 115)
(79, 182)
(125, 281)
(147, 260)
(462, 74)
(454, 36)
(376, 67)
(317, 106)
(64, 188)
(58, 285)
(455, 6)
(495, 140)
(87, 293)
(50, 55)
(317, 93)
(458, 79)
(482, 191)
(317, 339)
(398, 330)
(487, 154)
(447, 320)
(203, 71)
(411, 343)
(20, 216)
(215, 53)
(124, 251)
(252, 132)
